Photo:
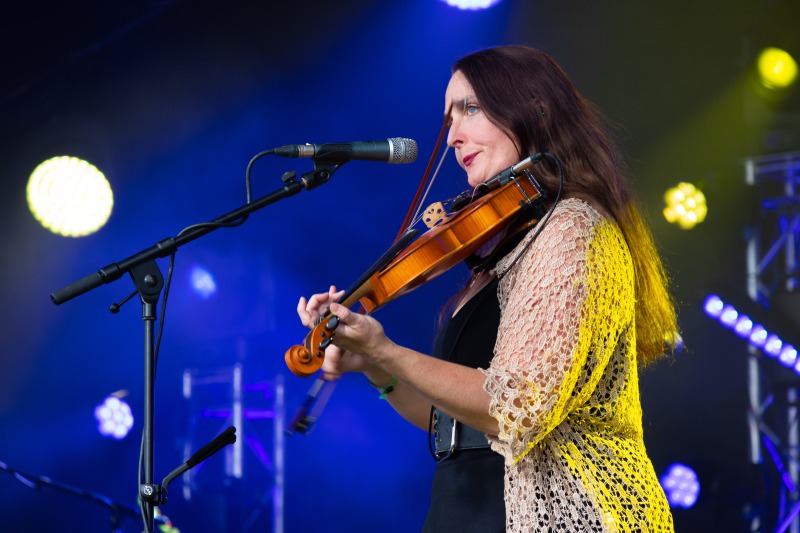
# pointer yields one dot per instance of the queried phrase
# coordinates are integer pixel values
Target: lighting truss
(772, 269)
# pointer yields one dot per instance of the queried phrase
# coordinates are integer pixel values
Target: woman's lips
(468, 160)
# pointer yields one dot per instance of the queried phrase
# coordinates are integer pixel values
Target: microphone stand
(118, 510)
(149, 282)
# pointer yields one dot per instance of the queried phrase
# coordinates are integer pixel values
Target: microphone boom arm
(167, 246)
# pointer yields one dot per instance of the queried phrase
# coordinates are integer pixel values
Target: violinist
(532, 390)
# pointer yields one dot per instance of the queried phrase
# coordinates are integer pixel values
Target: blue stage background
(171, 99)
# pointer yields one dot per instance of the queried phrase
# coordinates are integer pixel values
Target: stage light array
(686, 205)
(681, 486)
(471, 4)
(777, 69)
(202, 282)
(114, 418)
(69, 196)
(756, 334)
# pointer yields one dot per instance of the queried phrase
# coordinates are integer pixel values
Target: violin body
(430, 255)
(444, 246)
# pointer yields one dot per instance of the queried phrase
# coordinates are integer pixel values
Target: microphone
(515, 170)
(395, 151)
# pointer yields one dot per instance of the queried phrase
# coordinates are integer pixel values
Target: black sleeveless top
(467, 493)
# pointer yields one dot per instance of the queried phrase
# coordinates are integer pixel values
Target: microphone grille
(402, 151)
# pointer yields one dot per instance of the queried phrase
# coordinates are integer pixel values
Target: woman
(540, 353)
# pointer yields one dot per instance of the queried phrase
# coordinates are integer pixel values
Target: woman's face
(482, 149)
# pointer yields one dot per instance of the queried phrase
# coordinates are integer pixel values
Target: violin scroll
(300, 362)
(305, 360)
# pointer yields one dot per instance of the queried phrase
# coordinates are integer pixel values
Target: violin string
(417, 216)
(407, 224)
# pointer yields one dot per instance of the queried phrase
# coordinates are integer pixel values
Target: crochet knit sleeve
(556, 305)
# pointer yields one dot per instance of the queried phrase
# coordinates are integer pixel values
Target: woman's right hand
(337, 361)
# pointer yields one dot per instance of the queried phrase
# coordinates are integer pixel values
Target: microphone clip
(320, 175)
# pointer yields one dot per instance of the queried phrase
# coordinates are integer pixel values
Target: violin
(511, 196)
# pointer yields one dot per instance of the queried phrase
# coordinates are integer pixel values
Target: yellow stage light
(69, 196)
(686, 205)
(777, 69)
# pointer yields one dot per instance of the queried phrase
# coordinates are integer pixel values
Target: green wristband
(387, 389)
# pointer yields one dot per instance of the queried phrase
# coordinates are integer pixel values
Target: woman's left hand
(360, 334)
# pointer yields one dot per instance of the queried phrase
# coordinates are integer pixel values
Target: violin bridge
(434, 214)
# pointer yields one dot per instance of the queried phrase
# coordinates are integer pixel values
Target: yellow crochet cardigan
(564, 383)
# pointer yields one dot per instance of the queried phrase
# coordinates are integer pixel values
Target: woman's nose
(454, 136)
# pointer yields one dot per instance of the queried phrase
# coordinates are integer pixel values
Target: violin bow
(414, 204)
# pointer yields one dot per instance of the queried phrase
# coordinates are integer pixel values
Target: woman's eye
(471, 109)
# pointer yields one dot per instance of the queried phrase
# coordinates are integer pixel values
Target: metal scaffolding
(772, 270)
(220, 397)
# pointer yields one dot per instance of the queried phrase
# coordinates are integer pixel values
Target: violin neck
(361, 290)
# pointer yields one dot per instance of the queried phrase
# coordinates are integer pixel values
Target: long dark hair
(525, 93)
